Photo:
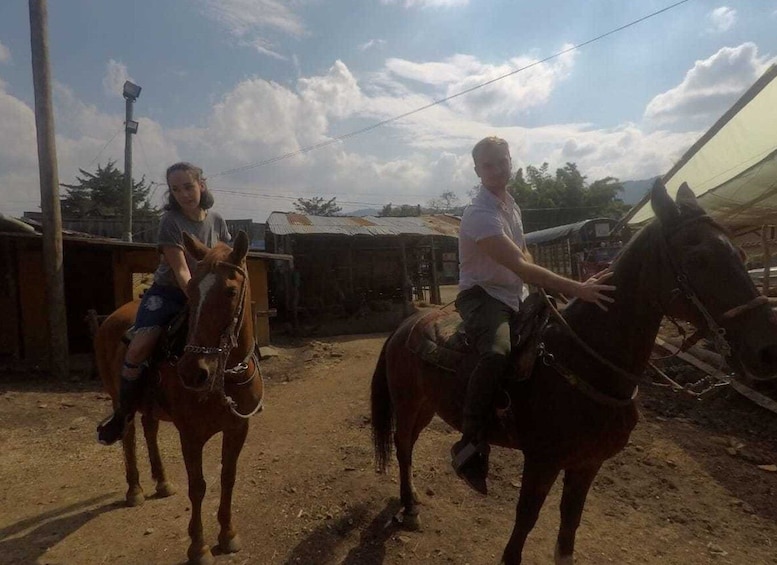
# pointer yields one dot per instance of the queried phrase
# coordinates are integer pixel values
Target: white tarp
(732, 169)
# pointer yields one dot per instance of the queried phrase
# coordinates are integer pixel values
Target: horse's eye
(231, 291)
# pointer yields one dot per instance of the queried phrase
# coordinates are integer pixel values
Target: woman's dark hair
(206, 198)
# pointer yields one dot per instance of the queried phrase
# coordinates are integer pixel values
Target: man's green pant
(487, 327)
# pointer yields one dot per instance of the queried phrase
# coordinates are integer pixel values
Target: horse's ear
(687, 202)
(194, 246)
(665, 209)
(240, 248)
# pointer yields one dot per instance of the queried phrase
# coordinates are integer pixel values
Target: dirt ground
(696, 484)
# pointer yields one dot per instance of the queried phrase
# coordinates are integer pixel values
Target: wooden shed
(342, 263)
(98, 275)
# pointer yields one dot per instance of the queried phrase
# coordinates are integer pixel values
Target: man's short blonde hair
(488, 142)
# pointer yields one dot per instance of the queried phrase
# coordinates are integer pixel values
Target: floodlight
(131, 90)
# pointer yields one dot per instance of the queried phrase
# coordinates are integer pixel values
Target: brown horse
(214, 387)
(577, 409)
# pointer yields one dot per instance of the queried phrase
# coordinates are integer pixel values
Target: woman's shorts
(159, 306)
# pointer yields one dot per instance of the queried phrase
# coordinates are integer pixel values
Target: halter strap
(227, 342)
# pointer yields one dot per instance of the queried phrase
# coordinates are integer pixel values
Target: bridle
(713, 329)
(227, 342)
(684, 287)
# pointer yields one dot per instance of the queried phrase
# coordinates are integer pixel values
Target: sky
(372, 101)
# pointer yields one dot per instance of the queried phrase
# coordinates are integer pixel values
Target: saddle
(438, 338)
(172, 341)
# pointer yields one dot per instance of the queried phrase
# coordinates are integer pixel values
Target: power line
(107, 143)
(238, 192)
(339, 138)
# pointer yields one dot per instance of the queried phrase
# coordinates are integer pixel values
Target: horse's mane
(219, 252)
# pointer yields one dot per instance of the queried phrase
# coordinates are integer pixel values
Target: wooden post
(351, 288)
(434, 291)
(49, 191)
(407, 289)
(767, 258)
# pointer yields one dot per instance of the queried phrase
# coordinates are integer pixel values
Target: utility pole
(130, 93)
(49, 191)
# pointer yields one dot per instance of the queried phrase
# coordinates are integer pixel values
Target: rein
(718, 332)
(227, 342)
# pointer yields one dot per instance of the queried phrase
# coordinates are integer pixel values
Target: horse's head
(218, 293)
(705, 282)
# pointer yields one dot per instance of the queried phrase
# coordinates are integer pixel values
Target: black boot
(130, 394)
(469, 455)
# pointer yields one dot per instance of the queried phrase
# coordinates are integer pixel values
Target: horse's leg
(151, 431)
(577, 482)
(537, 480)
(407, 432)
(232, 444)
(199, 553)
(134, 496)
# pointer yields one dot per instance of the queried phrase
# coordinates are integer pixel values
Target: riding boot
(470, 453)
(113, 428)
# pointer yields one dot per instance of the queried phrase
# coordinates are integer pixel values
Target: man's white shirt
(487, 216)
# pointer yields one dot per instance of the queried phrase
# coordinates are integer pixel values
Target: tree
(316, 206)
(448, 202)
(403, 210)
(551, 200)
(101, 195)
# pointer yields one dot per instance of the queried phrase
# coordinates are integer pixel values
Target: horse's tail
(382, 412)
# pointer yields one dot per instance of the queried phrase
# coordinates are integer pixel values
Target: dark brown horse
(214, 387)
(577, 409)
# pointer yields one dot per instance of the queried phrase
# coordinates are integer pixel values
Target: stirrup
(463, 455)
(109, 427)
(470, 464)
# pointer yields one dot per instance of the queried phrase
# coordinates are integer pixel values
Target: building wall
(96, 277)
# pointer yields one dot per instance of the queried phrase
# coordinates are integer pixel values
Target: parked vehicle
(577, 250)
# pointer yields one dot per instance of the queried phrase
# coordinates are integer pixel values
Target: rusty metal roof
(288, 223)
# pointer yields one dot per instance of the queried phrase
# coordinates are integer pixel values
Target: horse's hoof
(232, 545)
(411, 523)
(135, 497)
(559, 559)
(165, 489)
(201, 557)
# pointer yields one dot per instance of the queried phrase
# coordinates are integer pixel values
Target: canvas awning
(732, 168)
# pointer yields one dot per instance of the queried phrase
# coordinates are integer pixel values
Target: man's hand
(593, 290)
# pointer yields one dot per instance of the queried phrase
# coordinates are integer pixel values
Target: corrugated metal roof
(287, 223)
(561, 232)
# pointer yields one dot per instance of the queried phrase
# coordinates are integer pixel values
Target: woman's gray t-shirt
(171, 227)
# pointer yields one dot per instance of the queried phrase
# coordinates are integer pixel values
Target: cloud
(708, 89)
(250, 20)
(427, 3)
(115, 76)
(507, 97)
(371, 44)
(83, 134)
(406, 161)
(5, 54)
(722, 19)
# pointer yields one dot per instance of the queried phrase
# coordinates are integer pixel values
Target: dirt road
(687, 490)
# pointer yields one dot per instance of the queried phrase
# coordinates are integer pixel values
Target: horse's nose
(200, 374)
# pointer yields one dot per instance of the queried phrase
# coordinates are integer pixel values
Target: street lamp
(130, 92)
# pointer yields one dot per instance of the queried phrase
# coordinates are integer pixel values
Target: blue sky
(228, 84)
